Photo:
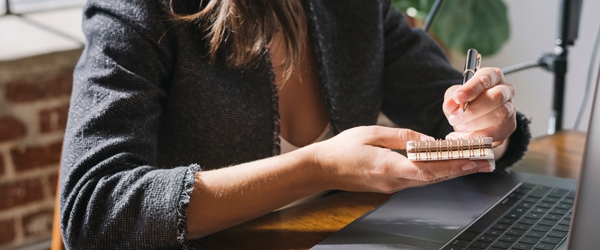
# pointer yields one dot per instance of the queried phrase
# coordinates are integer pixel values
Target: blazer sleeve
(416, 76)
(112, 194)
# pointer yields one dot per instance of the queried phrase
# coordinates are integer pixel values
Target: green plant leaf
(464, 24)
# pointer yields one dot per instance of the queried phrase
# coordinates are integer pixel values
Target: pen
(471, 66)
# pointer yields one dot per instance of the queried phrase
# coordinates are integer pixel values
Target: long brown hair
(244, 29)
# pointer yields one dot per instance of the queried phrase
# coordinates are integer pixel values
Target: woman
(181, 111)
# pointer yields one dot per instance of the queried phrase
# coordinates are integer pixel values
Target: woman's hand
(361, 159)
(491, 111)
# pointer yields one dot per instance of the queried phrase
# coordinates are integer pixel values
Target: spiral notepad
(479, 148)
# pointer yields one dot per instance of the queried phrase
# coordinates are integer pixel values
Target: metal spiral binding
(445, 149)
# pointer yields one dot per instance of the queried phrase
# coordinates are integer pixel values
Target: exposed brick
(11, 128)
(54, 119)
(19, 193)
(29, 158)
(60, 85)
(1, 165)
(38, 224)
(7, 231)
(53, 182)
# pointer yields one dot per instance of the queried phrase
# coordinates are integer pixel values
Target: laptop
(483, 211)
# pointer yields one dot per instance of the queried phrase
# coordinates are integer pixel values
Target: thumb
(456, 135)
(396, 137)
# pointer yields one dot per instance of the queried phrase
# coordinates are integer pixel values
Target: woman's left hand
(491, 111)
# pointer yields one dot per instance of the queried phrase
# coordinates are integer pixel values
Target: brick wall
(34, 102)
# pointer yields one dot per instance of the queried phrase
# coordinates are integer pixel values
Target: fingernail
(454, 119)
(470, 165)
(461, 126)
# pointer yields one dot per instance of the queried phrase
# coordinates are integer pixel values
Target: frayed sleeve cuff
(184, 201)
(517, 145)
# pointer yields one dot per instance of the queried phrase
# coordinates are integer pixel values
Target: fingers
(498, 123)
(449, 105)
(387, 137)
(505, 113)
(434, 171)
(484, 79)
(489, 101)
(484, 103)
(499, 132)
(421, 173)
(491, 111)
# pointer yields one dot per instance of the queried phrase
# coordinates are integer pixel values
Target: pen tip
(464, 107)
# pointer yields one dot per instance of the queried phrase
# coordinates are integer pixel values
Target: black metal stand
(560, 71)
(7, 5)
(557, 62)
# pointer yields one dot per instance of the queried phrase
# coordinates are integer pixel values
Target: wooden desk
(304, 226)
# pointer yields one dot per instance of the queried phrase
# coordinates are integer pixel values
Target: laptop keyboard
(531, 217)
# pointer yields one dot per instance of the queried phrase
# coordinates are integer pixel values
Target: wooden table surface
(305, 225)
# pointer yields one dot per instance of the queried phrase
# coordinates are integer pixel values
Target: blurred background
(28, 6)
(41, 40)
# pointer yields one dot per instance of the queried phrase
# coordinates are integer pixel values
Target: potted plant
(463, 24)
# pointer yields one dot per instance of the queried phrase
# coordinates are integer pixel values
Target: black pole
(560, 71)
(568, 30)
(431, 15)
(7, 4)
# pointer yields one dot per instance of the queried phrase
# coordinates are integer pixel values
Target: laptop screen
(585, 224)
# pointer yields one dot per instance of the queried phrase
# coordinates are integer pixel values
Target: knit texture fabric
(148, 110)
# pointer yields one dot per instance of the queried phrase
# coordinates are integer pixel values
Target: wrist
(315, 160)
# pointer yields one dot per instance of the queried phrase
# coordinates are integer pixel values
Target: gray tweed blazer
(148, 110)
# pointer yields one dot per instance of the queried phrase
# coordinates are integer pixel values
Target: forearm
(226, 197)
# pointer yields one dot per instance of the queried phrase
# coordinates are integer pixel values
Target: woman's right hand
(361, 159)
